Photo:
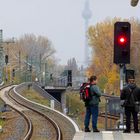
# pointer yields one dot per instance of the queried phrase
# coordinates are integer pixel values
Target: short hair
(93, 78)
(131, 77)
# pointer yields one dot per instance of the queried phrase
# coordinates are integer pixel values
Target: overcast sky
(60, 20)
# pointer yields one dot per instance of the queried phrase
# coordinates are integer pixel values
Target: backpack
(85, 94)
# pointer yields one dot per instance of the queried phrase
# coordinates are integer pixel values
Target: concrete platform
(106, 135)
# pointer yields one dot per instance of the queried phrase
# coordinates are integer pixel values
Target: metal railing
(113, 113)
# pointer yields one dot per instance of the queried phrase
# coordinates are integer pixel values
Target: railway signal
(122, 32)
(69, 78)
(6, 59)
(13, 73)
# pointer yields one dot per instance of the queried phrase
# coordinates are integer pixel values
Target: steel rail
(27, 119)
(57, 128)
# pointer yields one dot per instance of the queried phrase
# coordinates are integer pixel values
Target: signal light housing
(122, 31)
(6, 59)
(69, 78)
(13, 73)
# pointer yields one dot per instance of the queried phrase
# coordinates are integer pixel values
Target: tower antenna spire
(86, 14)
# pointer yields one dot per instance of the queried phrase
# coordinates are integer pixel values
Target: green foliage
(1, 121)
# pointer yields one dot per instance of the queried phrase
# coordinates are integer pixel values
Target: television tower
(86, 14)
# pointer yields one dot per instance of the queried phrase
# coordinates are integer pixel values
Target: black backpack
(85, 93)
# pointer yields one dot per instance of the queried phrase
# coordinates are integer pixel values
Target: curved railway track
(29, 124)
(39, 124)
(67, 127)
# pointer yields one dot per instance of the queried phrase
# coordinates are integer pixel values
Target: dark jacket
(127, 92)
(95, 95)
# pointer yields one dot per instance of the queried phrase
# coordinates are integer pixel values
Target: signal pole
(19, 66)
(122, 67)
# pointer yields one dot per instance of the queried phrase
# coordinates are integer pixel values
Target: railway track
(40, 126)
(13, 117)
(109, 116)
(28, 121)
(67, 128)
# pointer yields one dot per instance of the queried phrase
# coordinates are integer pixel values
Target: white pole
(121, 87)
(52, 104)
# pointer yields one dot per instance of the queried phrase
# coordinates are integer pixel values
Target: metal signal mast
(1, 56)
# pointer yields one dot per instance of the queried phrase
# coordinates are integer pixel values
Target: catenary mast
(1, 56)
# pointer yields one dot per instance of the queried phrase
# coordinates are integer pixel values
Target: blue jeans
(91, 110)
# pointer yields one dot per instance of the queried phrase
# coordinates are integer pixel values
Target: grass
(76, 107)
(31, 94)
(1, 121)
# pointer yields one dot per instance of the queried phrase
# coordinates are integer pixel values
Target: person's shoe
(126, 131)
(95, 130)
(136, 131)
(87, 130)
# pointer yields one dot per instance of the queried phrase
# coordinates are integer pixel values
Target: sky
(59, 20)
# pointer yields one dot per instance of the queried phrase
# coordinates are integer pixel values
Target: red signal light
(122, 40)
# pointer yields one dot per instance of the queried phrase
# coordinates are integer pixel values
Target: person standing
(92, 106)
(130, 94)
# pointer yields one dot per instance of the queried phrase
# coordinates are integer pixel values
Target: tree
(31, 50)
